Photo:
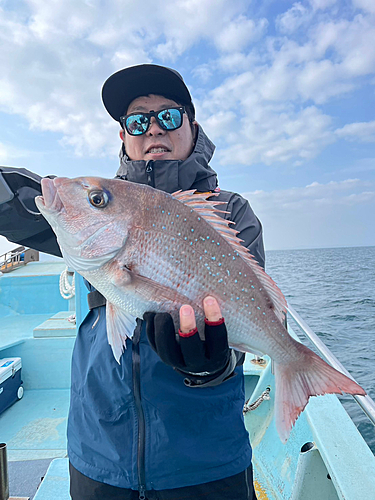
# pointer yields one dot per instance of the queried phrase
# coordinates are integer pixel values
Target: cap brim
(126, 85)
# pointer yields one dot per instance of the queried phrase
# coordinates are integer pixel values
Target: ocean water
(333, 290)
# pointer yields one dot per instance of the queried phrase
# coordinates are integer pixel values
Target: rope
(253, 406)
(67, 289)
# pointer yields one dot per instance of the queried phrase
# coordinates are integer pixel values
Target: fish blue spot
(163, 227)
(208, 238)
(237, 298)
(199, 218)
(191, 243)
(203, 239)
(240, 273)
(220, 280)
(258, 308)
(184, 220)
(185, 238)
(252, 298)
(219, 264)
(162, 211)
(223, 255)
(177, 215)
(231, 298)
(172, 222)
(173, 238)
(179, 234)
(250, 313)
(228, 272)
(213, 241)
(213, 258)
(192, 230)
(153, 225)
(205, 251)
(236, 281)
(169, 213)
(218, 243)
(200, 257)
(245, 275)
(252, 286)
(264, 314)
(246, 305)
(234, 258)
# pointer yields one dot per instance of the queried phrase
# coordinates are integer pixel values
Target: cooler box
(11, 389)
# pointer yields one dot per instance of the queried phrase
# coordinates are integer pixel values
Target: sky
(286, 91)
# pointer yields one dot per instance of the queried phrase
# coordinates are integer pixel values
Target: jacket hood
(173, 175)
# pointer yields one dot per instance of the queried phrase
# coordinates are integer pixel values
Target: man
(167, 422)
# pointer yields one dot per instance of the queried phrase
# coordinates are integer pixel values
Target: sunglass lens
(170, 119)
(136, 124)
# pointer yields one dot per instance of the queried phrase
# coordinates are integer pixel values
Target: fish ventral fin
(206, 208)
(120, 326)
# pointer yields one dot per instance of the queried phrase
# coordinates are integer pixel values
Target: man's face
(156, 143)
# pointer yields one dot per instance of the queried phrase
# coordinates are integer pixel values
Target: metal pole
(4, 481)
(365, 402)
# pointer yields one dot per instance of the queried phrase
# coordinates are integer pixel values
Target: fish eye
(98, 199)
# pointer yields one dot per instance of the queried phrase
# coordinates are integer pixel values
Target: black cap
(127, 84)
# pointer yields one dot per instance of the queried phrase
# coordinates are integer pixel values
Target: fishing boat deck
(35, 427)
(35, 326)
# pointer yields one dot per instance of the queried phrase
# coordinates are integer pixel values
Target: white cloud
(239, 33)
(293, 19)
(317, 215)
(322, 4)
(56, 55)
(8, 153)
(361, 132)
(347, 192)
(366, 5)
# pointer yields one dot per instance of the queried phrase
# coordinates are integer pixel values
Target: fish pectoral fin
(127, 278)
(120, 326)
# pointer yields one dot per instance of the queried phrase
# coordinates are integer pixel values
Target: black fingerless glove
(199, 361)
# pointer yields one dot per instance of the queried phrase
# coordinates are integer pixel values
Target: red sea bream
(147, 250)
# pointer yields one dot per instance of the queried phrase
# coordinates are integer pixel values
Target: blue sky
(286, 90)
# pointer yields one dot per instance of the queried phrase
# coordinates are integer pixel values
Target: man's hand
(200, 361)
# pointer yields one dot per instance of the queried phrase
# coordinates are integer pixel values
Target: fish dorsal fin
(206, 208)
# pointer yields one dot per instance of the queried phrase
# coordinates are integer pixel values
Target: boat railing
(365, 402)
(16, 258)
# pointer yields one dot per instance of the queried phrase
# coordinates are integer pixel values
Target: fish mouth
(49, 200)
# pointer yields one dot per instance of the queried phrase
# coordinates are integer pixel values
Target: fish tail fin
(295, 383)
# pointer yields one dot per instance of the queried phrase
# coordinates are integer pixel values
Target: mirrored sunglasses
(139, 123)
